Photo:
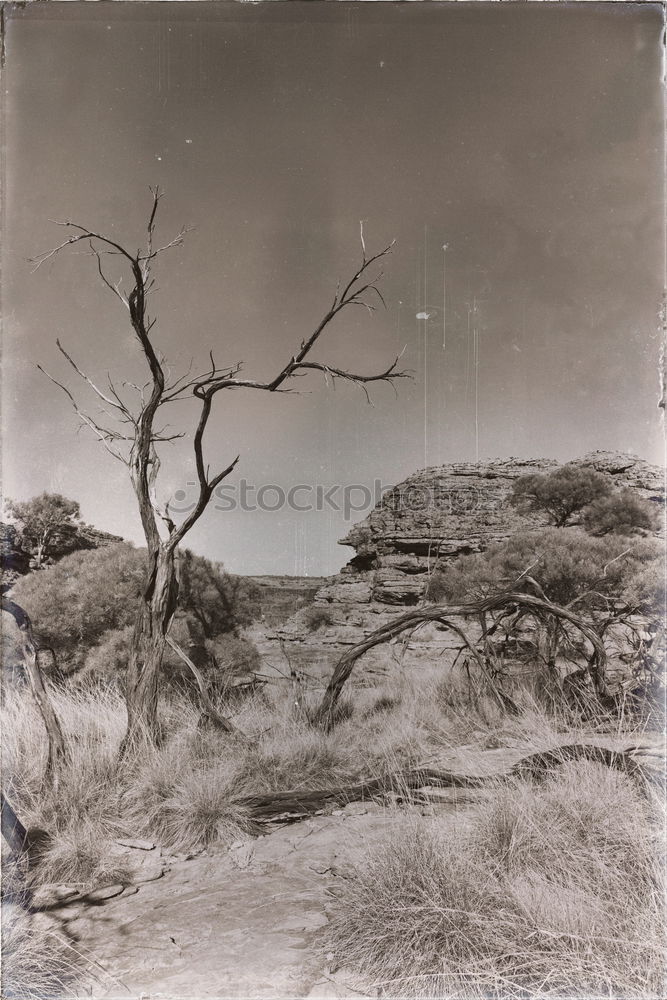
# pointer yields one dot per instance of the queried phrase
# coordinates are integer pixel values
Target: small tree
(48, 524)
(562, 493)
(136, 438)
(219, 601)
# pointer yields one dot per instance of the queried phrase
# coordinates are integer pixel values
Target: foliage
(15, 560)
(562, 493)
(84, 606)
(232, 654)
(567, 565)
(219, 602)
(622, 513)
(316, 617)
(48, 523)
(86, 595)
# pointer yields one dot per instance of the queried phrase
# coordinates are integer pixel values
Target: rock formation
(432, 517)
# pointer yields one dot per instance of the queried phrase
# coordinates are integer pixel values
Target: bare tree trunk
(13, 829)
(57, 749)
(136, 432)
(154, 616)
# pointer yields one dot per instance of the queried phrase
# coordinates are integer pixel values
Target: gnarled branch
(444, 614)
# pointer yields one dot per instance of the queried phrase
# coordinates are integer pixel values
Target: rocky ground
(248, 921)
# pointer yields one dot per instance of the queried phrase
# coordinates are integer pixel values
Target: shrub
(622, 513)
(220, 602)
(84, 596)
(566, 565)
(229, 657)
(317, 617)
(84, 606)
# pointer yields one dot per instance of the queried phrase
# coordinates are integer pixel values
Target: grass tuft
(556, 891)
(36, 963)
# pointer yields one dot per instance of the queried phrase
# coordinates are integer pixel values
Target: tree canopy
(87, 601)
(562, 493)
(48, 523)
(622, 513)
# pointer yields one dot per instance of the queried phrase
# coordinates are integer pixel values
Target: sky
(527, 138)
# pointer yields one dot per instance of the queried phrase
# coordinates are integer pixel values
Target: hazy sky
(526, 137)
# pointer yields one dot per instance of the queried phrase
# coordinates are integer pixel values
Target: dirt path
(248, 921)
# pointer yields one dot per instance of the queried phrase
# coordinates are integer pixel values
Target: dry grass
(182, 793)
(36, 964)
(557, 891)
(185, 794)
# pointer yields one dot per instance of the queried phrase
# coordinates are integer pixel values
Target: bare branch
(386, 376)
(177, 241)
(112, 288)
(105, 435)
(444, 614)
(216, 379)
(116, 403)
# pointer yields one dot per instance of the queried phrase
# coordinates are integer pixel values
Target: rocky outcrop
(453, 510)
(432, 517)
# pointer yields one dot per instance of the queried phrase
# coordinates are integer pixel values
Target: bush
(219, 602)
(317, 617)
(566, 565)
(623, 513)
(555, 891)
(85, 595)
(84, 607)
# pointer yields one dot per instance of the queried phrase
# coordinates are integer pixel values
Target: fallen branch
(296, 804)
(271, 806)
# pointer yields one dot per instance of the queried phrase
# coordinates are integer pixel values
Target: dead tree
(135, 437)
(57, 749)
(444, 615)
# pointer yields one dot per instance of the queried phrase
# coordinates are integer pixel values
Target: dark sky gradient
(527, 137)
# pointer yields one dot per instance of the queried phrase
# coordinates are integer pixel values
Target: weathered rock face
(434, 516)
(453, 510)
